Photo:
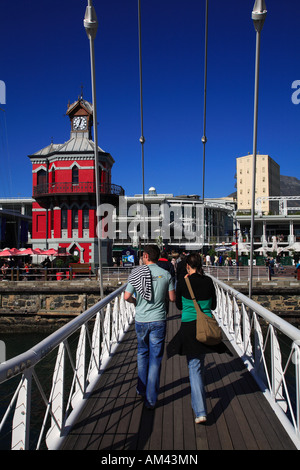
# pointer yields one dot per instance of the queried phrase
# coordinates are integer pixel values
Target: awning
(122, 248)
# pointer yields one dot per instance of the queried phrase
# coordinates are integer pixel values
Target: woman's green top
(189, 312)
(204, 292)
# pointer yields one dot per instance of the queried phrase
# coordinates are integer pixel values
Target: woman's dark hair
(195, 262)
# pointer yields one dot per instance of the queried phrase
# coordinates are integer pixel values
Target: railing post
(56, 401)
(79, 377)
(277, 372)
(296, 360)
(21, 419)
(95, 361)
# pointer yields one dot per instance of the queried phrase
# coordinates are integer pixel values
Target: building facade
(267, 182)
(280, 229)
(173, 222)
(15, 222)
(64, 190)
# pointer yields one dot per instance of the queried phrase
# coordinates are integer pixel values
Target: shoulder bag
(208, 330)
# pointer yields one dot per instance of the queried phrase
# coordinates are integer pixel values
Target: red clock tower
(64, 190)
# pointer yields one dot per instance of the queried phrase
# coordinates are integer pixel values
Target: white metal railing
(269, 347)
(242, 273)
(79, 352)
(120, 273)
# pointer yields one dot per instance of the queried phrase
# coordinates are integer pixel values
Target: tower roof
(80, 103)
(74, 145)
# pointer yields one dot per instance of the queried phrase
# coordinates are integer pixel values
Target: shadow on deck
(239, 417)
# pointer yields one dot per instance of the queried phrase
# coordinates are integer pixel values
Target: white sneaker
(200, 419)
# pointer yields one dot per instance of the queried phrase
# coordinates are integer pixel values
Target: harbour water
(17, 343)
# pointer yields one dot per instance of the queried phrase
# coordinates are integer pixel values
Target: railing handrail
(236, 326)
(242, 321)
(98, 332)
(31, 357)
(289, 330)
(224, 272)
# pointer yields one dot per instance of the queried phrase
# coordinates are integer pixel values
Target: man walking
(147, 288)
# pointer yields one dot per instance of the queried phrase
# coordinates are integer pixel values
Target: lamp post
(90, 23)
(259, 14)
(204, 138)
(142, 138)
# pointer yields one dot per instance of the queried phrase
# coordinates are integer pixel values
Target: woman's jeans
(196, 373)
(151, 340)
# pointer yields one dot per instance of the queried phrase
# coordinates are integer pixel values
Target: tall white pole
(258, 16)
(142, 138)
(204, 139)
(91, 25)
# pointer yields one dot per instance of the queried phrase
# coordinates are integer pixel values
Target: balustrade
(74, 357)
(72, 188)
(77, 353)
(269, 347)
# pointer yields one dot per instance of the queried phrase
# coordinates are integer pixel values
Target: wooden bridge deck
(239, 417)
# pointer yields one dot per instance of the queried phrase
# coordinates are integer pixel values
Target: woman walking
(185, 342)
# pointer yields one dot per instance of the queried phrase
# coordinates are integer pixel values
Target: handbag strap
(197, 307)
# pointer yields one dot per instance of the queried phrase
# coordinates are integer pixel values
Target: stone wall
(42, 303)
(43, 306)
(283, 305)
(281, 297)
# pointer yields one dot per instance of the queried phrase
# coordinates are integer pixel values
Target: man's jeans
(151, 340)
(196, 373)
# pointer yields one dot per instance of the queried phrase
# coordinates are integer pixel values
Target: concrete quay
(280, 295)
(41, 303)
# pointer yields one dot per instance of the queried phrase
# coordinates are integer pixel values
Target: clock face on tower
(80, 123)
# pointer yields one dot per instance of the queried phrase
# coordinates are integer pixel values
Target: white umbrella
(262, 249)
(274, 243)
(294, 246)
(223, 248)
(242, 248)
(281, 249)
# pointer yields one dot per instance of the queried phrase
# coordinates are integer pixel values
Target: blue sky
(45, 60)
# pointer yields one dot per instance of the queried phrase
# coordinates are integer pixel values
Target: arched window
(53, 174)
(75, 175)
(85, 218)
(52, 219)
(100, 179)
(64, 218)
(74, 218)
(41, 177)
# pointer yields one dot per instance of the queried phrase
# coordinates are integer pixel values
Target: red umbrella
(27, 251)
(6, 253)
(50, 252)
(38, 251)
(14, 251)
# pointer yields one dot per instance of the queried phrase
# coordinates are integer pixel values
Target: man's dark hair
(153, 252)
